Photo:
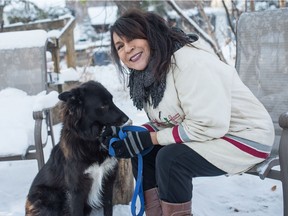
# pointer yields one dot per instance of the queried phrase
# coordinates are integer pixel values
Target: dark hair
(136, 24)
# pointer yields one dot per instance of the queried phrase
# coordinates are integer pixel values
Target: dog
(79, 174)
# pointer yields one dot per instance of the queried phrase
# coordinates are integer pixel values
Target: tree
(3, 3)
(28, 11)
(208, 37)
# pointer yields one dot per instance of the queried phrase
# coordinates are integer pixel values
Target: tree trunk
(228, 17)
(1, 17)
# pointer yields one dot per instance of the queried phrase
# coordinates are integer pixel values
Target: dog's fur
(79, 173)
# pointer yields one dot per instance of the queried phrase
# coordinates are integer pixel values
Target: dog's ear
(75, 96)
(64, 96)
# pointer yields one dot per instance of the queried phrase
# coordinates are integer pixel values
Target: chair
(262, 63)
(23, 69)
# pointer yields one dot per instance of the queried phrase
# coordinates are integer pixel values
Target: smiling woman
(203, 121)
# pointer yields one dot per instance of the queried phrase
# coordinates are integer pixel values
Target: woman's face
(134, 54)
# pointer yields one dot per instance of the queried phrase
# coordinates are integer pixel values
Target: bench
(23, 78)
(262, 63)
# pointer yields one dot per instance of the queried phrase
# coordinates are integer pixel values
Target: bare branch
(197, 28)
(228, 17)
(210, 30)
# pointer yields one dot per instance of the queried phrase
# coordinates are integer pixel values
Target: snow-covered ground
(241, 195)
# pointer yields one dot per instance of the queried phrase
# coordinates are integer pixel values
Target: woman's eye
(119, 47)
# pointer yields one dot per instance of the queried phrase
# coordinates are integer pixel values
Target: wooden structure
(65, 38)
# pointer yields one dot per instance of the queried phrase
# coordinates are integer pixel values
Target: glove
(134, 143)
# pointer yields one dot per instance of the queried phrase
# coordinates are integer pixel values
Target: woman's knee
(169, 153)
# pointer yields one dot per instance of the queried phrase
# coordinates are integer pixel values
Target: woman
(203, 120)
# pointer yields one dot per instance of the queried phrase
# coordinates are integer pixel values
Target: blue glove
(133, 143)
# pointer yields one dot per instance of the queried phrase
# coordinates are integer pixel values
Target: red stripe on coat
(149, 127)
(246, 148)
(176, 135)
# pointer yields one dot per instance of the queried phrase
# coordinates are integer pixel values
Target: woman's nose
(129, 47)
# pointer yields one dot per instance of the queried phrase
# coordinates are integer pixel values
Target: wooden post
(67, 38)
(282, 3)
(124, 184)
(53, 48)
(252, 5)
(70, 50)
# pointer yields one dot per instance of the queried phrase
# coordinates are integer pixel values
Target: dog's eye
(104, 108)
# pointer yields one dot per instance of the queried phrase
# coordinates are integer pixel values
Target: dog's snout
(128, 122)
(124, 119)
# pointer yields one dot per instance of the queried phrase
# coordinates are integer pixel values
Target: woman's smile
(136, 57)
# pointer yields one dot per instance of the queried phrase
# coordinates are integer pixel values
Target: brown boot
(176, 209)
(152, 203)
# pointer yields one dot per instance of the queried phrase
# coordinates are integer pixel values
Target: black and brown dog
(79, 173)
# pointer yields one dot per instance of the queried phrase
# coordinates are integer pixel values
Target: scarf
(144, 88)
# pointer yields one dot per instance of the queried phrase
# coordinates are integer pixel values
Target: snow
(100, 15)
(20, 121)
(241, 195)
(45, 101)
(23, 39)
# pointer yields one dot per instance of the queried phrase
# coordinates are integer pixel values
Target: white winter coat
(207, 107)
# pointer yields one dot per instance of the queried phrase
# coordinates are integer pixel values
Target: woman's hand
(134, 143)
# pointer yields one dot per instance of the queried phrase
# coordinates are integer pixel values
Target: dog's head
(88, 108)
